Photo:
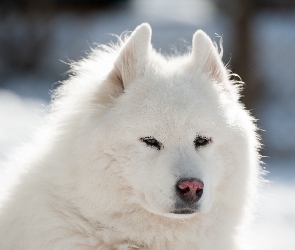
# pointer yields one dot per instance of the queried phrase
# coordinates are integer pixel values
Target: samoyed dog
(140, 151)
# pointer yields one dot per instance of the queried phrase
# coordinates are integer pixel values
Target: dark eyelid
(202, 141)
(152, 142)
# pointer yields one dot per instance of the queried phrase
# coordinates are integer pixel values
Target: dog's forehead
(173, 103)
(176, 93)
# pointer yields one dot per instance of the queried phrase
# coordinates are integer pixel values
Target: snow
(19, 118)
(275, 225)
(24, 98)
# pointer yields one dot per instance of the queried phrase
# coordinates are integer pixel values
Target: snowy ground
(275, 224)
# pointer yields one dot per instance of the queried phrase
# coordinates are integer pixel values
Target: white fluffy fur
(89, 182)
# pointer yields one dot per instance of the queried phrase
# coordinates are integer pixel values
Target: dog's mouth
(184, 211)
(182, 208)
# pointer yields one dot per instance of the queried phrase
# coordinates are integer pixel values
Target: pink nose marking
(190, 186)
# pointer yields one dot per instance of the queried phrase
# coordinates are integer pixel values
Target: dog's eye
(152, 142)
(201, 141)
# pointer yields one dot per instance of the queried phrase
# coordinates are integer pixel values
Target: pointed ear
(133, 57)
(206, 58)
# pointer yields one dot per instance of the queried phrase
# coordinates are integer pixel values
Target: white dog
(139, 152)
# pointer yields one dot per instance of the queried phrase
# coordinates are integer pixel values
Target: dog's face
(167, 142)
(166, 127)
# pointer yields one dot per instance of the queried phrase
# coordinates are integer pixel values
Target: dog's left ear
(206, 58)
(133, 57)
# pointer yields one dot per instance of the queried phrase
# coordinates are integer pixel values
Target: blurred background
(37, 37)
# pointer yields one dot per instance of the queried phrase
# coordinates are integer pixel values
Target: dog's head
(168, 133)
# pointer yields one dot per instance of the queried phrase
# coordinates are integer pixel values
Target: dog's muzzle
(189, 192)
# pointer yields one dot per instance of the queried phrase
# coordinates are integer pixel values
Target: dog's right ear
(133, 57)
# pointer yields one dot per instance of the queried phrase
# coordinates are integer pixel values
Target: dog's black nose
(190, 190)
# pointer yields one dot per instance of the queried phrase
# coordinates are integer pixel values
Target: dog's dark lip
(184, 211)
